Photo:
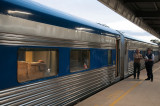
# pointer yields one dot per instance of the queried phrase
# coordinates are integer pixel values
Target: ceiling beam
(151, 20)
(156, 6)
(133, 1)
(157, 29)
(147, 14)
(155, 25)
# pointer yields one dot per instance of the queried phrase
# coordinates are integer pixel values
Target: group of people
(149, 60)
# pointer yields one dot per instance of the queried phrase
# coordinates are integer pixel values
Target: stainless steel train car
(130, 46)
(52, 58)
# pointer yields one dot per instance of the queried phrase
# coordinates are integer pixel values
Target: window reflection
(79, 60)
(109, 57)
(36, 63)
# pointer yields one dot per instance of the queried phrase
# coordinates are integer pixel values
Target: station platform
(129, 92)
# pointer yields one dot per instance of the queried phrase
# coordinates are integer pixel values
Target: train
(52, 58)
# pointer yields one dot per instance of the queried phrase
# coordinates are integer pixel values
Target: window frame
(89, 60)
(50, 59)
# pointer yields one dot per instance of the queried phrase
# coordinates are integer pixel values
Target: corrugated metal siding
(156, 58)
(59, 91)
(142, 64)
(130, 67)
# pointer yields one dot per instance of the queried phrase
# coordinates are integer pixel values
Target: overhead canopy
(144, 13)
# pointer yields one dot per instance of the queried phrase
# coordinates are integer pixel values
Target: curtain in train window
(79, 60)
(109, 57)
(36, 63)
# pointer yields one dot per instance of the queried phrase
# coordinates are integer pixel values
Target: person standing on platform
(137, 57)
(149, 60)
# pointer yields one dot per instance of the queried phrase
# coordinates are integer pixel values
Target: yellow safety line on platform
(134, 86)
(128, 91)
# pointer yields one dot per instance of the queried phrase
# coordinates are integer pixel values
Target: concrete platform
(129, 92)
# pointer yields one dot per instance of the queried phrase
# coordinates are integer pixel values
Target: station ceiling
(144, 13)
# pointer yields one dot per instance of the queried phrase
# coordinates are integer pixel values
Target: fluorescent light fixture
(19, 12)
(84, 29)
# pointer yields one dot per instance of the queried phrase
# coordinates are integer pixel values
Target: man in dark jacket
(149, 60)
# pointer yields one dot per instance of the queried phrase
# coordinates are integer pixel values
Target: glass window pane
(36, 63)
(109, 57)
(79, 60)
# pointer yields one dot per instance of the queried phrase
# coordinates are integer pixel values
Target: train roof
(31, 10)
(135, 39)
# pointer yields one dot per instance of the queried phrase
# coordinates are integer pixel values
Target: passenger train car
(52, 58)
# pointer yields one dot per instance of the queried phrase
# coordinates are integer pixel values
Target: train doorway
(117, 57)
(126, 59)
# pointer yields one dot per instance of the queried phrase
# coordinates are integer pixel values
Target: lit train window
(79, 60)
(35, 63)
(109, 57)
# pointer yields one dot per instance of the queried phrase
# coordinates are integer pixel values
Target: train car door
(122, 53)
(120, 56)
(117, 58)
(126, 59)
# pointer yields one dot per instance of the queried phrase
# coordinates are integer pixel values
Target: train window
(143, 53)
(109, 57)
(156, 53)
(34, 63)
(79, 60)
